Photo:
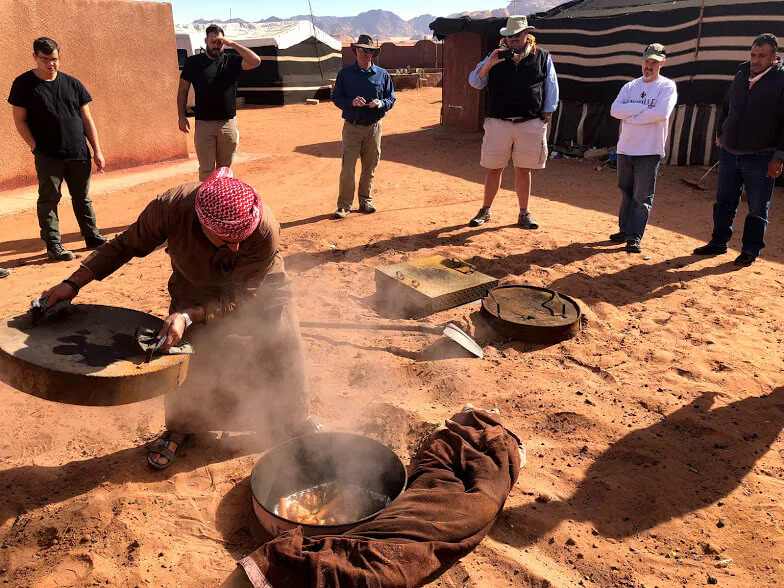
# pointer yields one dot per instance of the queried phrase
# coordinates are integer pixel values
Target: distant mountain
(381, 24)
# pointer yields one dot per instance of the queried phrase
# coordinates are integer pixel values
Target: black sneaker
(367, 208)
(633, 247)
(711, 249)
(526, 221)
(618, 237)
(481, 217)
(4, 273)
(95, 242)
(57, 252)
(745, 259)
(342, 212)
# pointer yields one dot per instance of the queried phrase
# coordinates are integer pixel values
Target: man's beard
(215, 53)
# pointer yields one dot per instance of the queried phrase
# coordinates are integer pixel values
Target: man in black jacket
(751, 137)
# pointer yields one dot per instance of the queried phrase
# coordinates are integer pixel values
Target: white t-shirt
(644, 109)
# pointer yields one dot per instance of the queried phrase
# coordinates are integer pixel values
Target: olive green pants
(363, 143)
(51, 174)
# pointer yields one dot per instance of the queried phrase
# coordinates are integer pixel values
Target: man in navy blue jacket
(364, 93)
(751, 137)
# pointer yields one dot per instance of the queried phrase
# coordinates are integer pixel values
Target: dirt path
(653, 437)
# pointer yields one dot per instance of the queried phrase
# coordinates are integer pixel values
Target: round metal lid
(531, 313)
(87, 355)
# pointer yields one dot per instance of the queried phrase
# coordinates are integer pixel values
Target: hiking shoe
(618, 237)
(4, 273)
(95, 242)
(367, 208)
(57, 252)
(342, 212)
(745, 259)
(526, 221)
(711, 249)
(481, 217)
(633, 247)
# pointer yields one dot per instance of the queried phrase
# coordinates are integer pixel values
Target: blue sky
(188, 10)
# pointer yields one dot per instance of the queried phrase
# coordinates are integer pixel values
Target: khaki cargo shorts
(525, 143)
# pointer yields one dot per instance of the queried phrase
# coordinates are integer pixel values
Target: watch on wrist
(188, 320)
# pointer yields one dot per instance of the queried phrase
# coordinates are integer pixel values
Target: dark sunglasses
(517, 36)
(365, 50)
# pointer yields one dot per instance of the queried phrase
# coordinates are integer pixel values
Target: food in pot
(330, 504)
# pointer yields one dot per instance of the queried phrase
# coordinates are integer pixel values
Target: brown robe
(459, 482)
(248, 352)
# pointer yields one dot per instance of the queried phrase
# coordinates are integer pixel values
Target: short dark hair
(213, 29)
(45, 45)
(767, 39)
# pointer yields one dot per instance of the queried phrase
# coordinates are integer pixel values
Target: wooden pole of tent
(699, 38)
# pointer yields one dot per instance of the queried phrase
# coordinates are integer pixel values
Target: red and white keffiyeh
(228, 207)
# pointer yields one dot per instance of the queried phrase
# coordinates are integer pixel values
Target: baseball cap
(655, 51)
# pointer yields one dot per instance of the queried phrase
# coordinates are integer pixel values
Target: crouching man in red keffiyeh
(230, 292)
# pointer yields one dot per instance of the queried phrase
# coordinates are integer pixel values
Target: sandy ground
(654, 437)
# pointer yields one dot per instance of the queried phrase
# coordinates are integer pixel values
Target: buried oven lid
(533, 314)
(86, 355)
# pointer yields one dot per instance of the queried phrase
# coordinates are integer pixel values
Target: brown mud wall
(425, 54)
(124, 52)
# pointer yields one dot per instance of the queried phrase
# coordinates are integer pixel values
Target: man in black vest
(751, 137)
(522, 96)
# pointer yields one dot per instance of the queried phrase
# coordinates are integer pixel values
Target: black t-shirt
(53, 113)
(215, 84)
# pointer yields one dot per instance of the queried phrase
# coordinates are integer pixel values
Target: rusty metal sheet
(86, 355)
(429, 285)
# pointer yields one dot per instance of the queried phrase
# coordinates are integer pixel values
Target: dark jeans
(76, 173)
(637, 181)
(735, 173)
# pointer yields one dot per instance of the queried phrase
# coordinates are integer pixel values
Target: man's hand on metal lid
(172, 330)
(775, 167)
(61, 291)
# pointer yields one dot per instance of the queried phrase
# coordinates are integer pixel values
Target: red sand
(659, 421)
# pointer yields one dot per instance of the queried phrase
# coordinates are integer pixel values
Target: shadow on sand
(686, 461)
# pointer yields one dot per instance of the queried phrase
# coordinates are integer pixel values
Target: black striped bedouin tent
(291, 75)
(298, 61)
(597, 47)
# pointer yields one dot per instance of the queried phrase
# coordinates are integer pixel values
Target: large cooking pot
(319, 458)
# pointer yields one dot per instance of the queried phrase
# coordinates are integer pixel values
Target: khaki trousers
(216, 143)
(364, 143)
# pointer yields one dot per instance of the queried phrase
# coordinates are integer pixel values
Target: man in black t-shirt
(215, 76)
(52, 114)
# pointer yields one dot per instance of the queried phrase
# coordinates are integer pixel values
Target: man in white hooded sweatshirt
(644, 106)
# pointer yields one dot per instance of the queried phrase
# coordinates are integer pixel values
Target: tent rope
(315, 40)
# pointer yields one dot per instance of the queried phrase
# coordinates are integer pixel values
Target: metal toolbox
(429, 285)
